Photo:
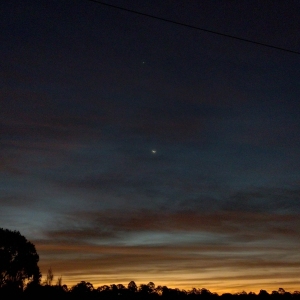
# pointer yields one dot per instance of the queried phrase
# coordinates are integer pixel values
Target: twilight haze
(137, 149)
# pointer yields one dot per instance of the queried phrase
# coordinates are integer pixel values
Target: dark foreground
(85, 290)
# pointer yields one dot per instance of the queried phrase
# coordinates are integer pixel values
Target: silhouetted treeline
(20, 278)
(85, 290)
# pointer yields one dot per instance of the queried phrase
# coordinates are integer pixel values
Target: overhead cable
(195, 27)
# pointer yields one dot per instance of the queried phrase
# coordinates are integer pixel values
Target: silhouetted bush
(18, 261)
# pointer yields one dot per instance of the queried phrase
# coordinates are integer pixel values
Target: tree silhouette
(82, 288)
(49, 278)
(146, 289)
(132, 286)
(263, 294)
(18, 260)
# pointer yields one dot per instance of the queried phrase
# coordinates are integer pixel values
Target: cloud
(264, 199)
(16, 201)
(220, 250)
(222, 227)
(216, 267)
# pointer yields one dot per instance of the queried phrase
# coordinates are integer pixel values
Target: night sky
(136, 149)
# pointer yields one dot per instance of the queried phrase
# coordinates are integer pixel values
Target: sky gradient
(87, 92)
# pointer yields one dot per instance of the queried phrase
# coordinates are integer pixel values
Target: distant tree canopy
(82, 288)
(18, 260)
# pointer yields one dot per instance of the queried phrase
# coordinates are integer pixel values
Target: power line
(195, 27)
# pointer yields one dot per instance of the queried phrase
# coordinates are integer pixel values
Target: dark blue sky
(88, 91)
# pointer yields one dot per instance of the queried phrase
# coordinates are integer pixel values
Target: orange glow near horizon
(218, 286)
(197, 262)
